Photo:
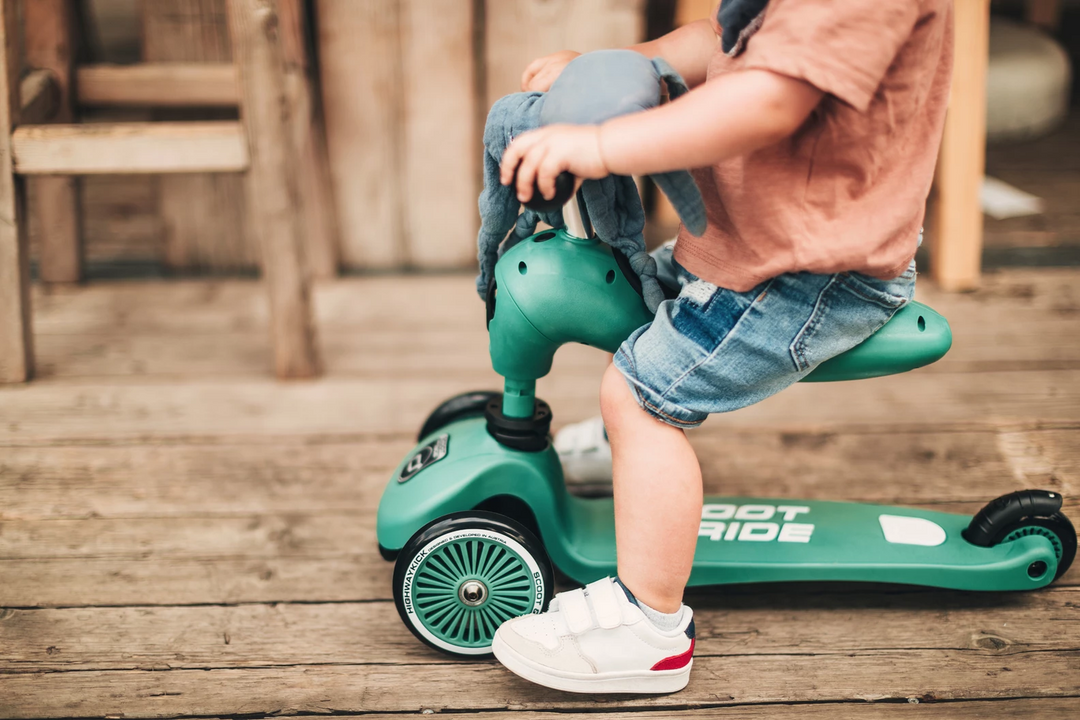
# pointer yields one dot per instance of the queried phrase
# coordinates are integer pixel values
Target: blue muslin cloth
(593, 88)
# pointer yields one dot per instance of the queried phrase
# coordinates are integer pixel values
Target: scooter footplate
(744, 540)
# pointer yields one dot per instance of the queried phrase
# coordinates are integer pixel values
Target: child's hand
(543, 154)
(541, 72)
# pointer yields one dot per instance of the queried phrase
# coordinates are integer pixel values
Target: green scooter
(477, 514)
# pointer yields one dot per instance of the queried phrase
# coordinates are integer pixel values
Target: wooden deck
(181, 536)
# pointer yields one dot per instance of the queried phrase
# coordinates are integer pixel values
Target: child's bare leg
(658, 496)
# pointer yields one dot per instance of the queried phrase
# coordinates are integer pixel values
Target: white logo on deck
(754, 523)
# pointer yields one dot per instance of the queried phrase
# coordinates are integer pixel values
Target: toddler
(813, 129)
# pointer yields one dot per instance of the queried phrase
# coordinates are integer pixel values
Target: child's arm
(732, 115)
(688, 49)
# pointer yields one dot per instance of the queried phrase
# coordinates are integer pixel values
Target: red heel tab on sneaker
(676, 661)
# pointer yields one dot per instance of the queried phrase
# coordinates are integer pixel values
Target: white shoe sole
(648, 682)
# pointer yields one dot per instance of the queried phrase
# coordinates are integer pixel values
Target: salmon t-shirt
(847, 191)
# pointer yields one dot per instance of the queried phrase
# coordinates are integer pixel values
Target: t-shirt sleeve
(842, 47)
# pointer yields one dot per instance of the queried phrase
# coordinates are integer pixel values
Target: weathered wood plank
(16, 337)
(581, 25)
(324, 534)
(1021, 343)
(441, 136)
(55, 411)
(204, 217)
(365, 576)
(884, 675)
(145, 638)
(1017, 324)
(128, 481)
(160, 84)
(117, 148)
(1015, 297)
(187, 581)
(272, 186)
(39, 97)
(364, 123)
(50, 37)
(1042, 708)
(246, 557)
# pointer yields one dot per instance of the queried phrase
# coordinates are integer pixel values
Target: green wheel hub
(469, 582)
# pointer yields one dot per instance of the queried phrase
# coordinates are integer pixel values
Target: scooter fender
(457, 468)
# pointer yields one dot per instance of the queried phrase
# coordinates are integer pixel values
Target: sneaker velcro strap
(605, 603)
(574, 607)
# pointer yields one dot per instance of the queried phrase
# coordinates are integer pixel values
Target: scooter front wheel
(464, 574)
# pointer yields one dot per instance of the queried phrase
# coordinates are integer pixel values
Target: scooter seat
(915, 336)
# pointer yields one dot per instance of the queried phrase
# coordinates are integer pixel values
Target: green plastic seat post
(519, 398)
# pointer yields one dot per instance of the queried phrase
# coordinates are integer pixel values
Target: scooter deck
(753, 540)
(740, 540)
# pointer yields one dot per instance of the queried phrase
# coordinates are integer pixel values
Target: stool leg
(956, 255)
(16, 342)
(273, 191)
(50, 33)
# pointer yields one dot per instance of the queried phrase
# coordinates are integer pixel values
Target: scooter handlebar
(564, 190)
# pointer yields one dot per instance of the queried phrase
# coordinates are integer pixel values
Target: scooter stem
(519, 396)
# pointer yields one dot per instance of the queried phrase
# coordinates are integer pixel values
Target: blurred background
(204, 201)
(401, 89)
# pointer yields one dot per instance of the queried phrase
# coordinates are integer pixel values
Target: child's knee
(615, 397)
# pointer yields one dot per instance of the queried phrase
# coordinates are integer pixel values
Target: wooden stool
(281, 154)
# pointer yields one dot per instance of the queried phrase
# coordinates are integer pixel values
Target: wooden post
(316, 198)
(50, 33)
(274, 197)
(956, 255)
(16, 341)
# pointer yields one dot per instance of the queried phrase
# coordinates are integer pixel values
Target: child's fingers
(531, 71)
(526, 172)
(547, 171)
(513, 154)
(510, 159)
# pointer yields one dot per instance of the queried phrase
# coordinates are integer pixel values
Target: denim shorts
(713, 350)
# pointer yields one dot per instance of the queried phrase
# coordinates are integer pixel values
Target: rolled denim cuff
(648, 399)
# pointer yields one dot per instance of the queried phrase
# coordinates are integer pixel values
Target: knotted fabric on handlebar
(595, 87)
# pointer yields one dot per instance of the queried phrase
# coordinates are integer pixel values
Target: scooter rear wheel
(456, 408)
(1056, 528)
(464, 574)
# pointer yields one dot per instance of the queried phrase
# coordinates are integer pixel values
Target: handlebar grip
(564, 190)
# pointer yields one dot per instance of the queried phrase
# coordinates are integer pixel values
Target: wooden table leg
(16, 342)
(956, 255)
(54, 199)
(273, 191)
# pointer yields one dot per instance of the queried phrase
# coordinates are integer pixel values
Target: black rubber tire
(1059, 525)
(456, 408)
(468, 520)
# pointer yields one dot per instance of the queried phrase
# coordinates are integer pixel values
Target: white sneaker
(597, 640)
(584, 452)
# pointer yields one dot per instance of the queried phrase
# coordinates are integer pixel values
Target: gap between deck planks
(777, 620)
